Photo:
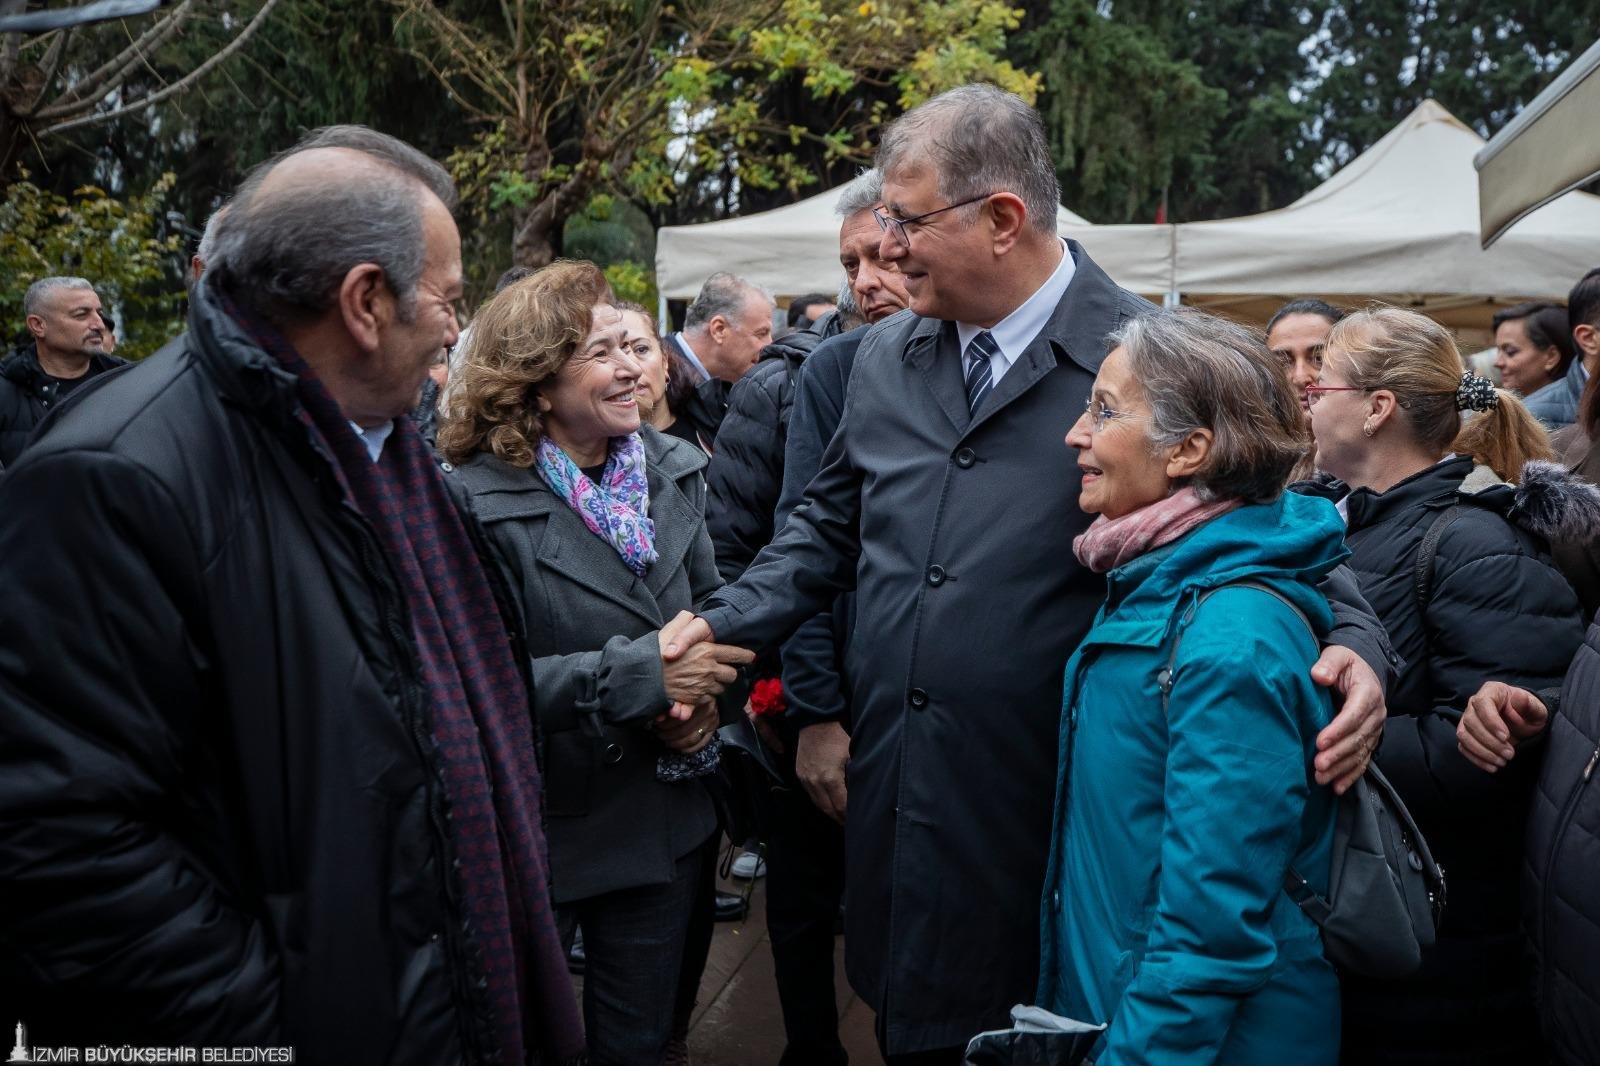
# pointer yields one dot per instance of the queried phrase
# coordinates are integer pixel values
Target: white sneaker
(747, 866)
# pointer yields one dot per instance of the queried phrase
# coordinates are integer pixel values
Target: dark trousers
(697, 942)
(634, 941)
(805, 881)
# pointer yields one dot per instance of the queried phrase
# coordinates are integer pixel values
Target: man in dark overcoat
(949, 500)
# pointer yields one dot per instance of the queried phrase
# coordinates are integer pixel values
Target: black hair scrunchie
(1476, 394)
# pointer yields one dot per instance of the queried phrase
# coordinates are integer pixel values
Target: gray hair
(980, 140)
(722, 294)
(288, 254)
(207, 248)
(846, 301)
(864, 192)
(1203, 372)
(397, 153)
(40, 290)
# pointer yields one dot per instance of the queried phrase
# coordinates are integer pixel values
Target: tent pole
(1173, 298)
(661, 314)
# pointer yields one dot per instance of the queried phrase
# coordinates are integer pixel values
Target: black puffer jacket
(222, 819)
(27, 393)
(1561, 874)
(1498, 610)
(745, 477)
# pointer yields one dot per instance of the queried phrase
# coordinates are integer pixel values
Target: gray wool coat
(591, 625)
(956, 532)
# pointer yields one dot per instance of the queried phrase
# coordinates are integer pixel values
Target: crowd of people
(356, 667)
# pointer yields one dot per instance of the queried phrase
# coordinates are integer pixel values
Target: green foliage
(1240, 106)
(609, 230)
(634, 282)
(1201, 101)
(1481, 59)
(672, 105)
(116, 244)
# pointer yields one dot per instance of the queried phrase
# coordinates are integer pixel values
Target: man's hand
(690, 735)
(1497, 719)
(692, 668)
(820, 756)
(1345, 747)
(681, 634)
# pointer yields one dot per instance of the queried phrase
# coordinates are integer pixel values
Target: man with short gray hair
(267, 767)
(723, 334)
(948, 500)
(71, 345)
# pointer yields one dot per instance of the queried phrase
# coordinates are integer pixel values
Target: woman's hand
(701, 672)
(1497, 719)
(689, 735)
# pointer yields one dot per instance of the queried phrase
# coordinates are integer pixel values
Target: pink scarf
(1110, 542)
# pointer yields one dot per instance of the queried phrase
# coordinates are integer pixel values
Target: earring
(1366, 428)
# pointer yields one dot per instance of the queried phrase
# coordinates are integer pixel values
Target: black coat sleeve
(745, 475)
(808, 564)
(813, 673)
(1357, 627)
(104, 706)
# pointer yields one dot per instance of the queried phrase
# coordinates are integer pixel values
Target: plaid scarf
(480, 718)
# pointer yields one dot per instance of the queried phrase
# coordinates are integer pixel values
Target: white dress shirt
(373, 438)
(1013, 333)
(688, 353)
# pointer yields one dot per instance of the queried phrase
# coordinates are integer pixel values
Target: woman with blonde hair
(599, 523)
(1449, 507)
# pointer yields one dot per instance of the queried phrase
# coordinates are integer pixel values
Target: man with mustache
(70, 345)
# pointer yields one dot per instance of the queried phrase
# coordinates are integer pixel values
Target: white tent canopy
(1399, 224)
(1546, 150)
(789, 250)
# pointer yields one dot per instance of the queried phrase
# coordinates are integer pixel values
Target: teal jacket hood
(1288, 544)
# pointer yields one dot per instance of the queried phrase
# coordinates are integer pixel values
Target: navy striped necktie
(980, 374)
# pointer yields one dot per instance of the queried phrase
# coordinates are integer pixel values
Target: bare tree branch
(183, 84)
(98, 83)
(51, 65)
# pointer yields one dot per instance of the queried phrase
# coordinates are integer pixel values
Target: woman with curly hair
(599, 521)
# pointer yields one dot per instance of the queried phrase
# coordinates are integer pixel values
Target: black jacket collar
(22, 367)
(1432, 488)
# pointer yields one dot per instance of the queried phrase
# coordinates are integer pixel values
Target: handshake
(695, 672)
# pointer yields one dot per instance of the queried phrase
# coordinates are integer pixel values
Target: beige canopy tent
(1398, 224)
(795, 249)
(1551, 147)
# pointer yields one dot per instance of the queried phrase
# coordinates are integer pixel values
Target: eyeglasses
(902, 234)
(1100, 414)
(1314, 392)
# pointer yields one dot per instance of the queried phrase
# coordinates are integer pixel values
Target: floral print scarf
(617, 510)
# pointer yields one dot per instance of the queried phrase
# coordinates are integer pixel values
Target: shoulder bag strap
(1422, 575)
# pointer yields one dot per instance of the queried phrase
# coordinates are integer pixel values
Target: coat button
(613, 753)
(936, 575)
(965, 457)
(917, 698)
(446, 467)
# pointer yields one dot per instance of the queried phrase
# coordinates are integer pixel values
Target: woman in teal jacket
(1164, 914)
